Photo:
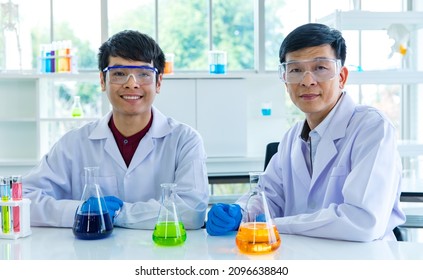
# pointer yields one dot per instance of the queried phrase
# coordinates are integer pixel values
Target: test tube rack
(24, 218)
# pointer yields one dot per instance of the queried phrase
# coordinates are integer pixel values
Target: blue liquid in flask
(92, 226)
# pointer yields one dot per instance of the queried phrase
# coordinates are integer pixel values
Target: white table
(60, 244)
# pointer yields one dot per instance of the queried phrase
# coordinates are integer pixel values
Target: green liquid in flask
(76, 112)
(169, 234)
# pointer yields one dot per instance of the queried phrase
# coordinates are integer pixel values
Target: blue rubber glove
(114, 205)
(261, 218)
(111, 203)
(223, 218)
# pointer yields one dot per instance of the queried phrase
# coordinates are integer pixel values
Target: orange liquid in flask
(257, 238)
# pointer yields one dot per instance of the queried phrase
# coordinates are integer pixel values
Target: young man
(135, 147)
(337, 174)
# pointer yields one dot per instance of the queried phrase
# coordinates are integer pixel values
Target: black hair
(311, 35)
(131, 45)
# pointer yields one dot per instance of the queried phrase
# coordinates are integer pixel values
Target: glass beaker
(169, 230)
(257, 233)
(217, 62)
(266, 108)
(92, 218)
(168, 69)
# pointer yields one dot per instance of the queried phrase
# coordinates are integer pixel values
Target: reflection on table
(60, 244)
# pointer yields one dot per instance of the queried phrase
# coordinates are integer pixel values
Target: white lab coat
(354, 191)
(170, 152)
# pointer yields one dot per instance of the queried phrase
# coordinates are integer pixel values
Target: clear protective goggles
(322, 70)
(143, 75)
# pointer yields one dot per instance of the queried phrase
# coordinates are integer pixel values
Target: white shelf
(19, 162)
(68, 119)
(410, 148)
(365, 77)
(203, 75)
(18, 120)
(89, 76)
(94, 75)
(221, 166)
(365, 20)
(385, 77)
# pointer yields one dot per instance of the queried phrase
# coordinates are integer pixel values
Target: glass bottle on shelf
(77, 107)
(169, 230)
(257, 233)
(92, 218)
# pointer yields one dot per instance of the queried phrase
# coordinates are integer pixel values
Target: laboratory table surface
(60, 244)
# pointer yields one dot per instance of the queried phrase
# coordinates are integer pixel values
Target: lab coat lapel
(327, 149)
(103, 132)
(145, 147)
(299, 164)
(159, 128)
(112, 149)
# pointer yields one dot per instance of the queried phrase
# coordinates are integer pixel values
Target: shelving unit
(407, 75)
(195, 100)
(357, 20)
(23, 118)
(366, 20)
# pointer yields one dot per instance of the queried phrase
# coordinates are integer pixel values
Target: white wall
(227, 111)
(264, 129)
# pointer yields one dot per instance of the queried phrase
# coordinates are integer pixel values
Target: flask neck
(167, 191)
(91, 176)
(77, 100)
(166, 195)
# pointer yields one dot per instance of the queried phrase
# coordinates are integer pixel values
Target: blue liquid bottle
(92, 218)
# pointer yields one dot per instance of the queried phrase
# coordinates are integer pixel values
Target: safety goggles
(143, 75)
(322, 70)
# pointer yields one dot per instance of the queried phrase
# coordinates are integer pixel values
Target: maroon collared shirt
(128, 145)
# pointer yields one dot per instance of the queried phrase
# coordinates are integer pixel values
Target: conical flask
(92, 218)
(169, 230)
(257, 233)
(77, 107)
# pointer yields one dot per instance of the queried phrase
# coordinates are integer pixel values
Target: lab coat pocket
(336, 182)
(109, 185)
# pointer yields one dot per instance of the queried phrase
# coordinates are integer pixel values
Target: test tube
(48, 58)
(16, 195)
(5, 212)
(53, 58)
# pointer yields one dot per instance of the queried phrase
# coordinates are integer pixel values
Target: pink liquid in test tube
(16, 195)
